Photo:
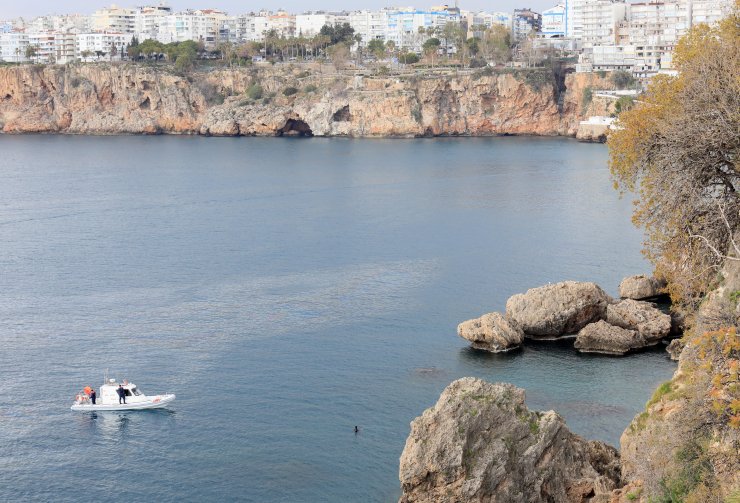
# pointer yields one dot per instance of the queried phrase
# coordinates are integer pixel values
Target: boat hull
(156, 402)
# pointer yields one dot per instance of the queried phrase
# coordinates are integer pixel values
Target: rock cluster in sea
(600, 323)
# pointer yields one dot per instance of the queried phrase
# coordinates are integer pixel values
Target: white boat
(108, 398)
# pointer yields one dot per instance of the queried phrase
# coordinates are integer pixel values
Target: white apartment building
(147, 21)
(402, 26)
(44, 44)
(310, 24)
(370, 25)
(114, 19)
(97, 45)
(475, 20)
(199, 25)
(553, 21)
(282, 23)
(74, 23)
(601, 19)
(13, 47)
(574, 18)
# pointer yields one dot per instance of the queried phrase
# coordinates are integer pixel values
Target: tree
(431, 48)
(408, 58)
(338, 53)
(495, 44)
(377, 48)
(113, 51)
(341, 33)
(31, 51)
(679, 147)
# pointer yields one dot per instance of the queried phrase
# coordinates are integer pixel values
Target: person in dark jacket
(93, 396)
(121, 394)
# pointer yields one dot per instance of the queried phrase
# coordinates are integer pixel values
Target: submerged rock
(651, 323)
(601, 337)
(480, 443)
(640, 287)
(554, 310)
(491, 332)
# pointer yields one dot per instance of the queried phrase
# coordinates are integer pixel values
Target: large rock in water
(481, 443)
(640, 287)
(651, 323)
(491, 332)
(601, 337)
(554, 310)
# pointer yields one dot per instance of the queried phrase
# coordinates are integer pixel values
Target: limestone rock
(558, 309)
(640, 287)
(601, 337)
(651, 323)
(491, 332)
(481, 443)
(674, 348)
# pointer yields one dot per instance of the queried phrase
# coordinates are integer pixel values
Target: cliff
(685, 446)
(137, 99)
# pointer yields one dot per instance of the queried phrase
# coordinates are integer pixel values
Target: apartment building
(13, 47)
(96, 45)
(601, 19)
(370, 25)
(114, 19)
(402, 26)
(148, 20)
(553, 21)
(524, 22)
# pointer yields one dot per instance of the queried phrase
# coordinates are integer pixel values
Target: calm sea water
(286, 290)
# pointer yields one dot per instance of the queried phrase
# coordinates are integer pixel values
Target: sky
(30, 8)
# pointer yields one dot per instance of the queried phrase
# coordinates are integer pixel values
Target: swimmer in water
(357, 430)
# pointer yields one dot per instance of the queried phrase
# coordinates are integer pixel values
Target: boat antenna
(105, 376)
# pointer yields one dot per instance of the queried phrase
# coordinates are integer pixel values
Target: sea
(286, 290)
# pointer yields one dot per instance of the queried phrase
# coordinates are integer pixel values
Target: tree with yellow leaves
(678, 149)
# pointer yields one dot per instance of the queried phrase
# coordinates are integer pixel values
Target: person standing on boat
(92, 395)
(121, 394)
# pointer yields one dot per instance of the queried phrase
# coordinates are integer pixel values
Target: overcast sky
(31, 8)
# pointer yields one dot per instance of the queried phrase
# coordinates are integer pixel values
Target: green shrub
(255, 92)
(622, 79)
(623, 104)
(662, 390)
(290, 91)
(601, 73)
(588, 95)
(309, 88)
(409, 58)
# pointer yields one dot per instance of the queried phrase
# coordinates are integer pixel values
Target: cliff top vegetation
(679, 149)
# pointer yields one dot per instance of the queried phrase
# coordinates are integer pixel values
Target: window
(136, 391)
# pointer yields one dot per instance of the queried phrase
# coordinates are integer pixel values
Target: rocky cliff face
(105, 99)
(480, 443)
(685, 446)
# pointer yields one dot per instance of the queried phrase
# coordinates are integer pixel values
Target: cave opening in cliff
(146, 104)
(342, 115)
(294, 127)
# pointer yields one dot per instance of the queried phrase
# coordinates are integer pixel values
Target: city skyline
(34, 8)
